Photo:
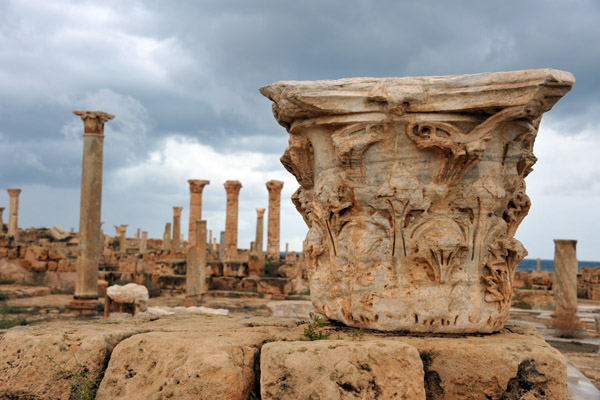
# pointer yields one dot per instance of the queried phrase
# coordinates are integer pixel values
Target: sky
(182, 79)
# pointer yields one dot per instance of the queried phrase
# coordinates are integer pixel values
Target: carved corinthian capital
(413, 189)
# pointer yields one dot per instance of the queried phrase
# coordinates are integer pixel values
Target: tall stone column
(196, 188)
(13, 212)
(565, 286)
(231, 219)
(86, 287)
(176, 244)
(123, 239)
(1, 221)
(196, 269)
(167, 237)
(144, 243)
(258, 241)
(274, 188)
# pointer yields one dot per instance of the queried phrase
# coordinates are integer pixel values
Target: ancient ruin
(196, 188)
(565, 286)
(273, 219)
(86, 289)
(231, 219)
(13, 212)
(412, 189)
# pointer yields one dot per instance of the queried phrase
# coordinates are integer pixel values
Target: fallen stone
(291, 309)
(373, 369)
(57, 233)
(129, 293)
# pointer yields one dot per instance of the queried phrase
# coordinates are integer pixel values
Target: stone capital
(177, 211)
(274, 185)
(232, 187)
(260, 212)
(13, 192)
(565, 242)
(197, 185)
(93, 121)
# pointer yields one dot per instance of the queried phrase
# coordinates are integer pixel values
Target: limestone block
(180, 365)
(57, 254)
(12, 270)
(292, 270)
(52, 265)
(33, 358)
(127, 267)
(223, 283)
(248, 284)
(129, 293)
(514, 364)
(374, 369)
(275, 287)
(291, 309)
(64, 281)
(57, 233)
(412, 189)
(35, 253)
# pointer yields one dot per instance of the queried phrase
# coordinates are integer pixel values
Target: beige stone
(374, 369)
(231, 219)
(565, 287)
(1, 221)
(13, 212)
(144, 243)
(258, 242)
(176, 243)
(196, 188)
(122, 239)
(412, 189)
(57, 233)
(167, 237)
(273, 219)
(196, 268)
(91, 199)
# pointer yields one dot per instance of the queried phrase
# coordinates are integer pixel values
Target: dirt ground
(51, 307)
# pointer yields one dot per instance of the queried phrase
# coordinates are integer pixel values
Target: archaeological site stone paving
(412, 189)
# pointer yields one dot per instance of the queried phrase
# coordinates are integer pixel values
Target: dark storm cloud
(189, 69)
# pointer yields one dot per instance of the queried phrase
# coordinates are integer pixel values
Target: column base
(567, 324)
(84, 306)
(192, 301)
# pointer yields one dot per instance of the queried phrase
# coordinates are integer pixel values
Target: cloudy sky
(181, 77)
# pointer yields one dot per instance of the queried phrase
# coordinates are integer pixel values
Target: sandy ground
(582, 352)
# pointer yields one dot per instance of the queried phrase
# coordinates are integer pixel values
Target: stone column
(538, 266)
(274, 188)
(210, 236)
(144, 243)
(13, 212)
(1, 221)
(167, 237)
(86, 286)
(123, 239)
(137, 233)
(565, 286)
(196, 266)
(258, 241)
(222, 245)
(231, 219)
(176, 244)
(196, 188)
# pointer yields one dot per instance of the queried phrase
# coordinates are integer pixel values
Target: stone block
(52, 265)
(12, 270)
(180, 365)
(291, 309)
(248, 284)
(223, 283)
(274, 287)
(373, 369)
(63, 281)
(57, 254)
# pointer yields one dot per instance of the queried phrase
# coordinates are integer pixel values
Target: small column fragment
(13, 212)
(231, 219)
(196, 269)
(565, 286)
(222, 245)
(258, 241)
(538, 266)
(86, 287)
(123, 239)
(274, 188)
(144, 243)
(167, 237)
(176, 244)
(196, 188)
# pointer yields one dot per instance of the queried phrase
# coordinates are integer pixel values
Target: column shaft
(176, 243)
(196, 270)
(144, 243)
(196, 188)
(86, 286)
(565, 276)
(258, 241)
(13, 212)
(231, 219)
(274, 188)
(167, 237)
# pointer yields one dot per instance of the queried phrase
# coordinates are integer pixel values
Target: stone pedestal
(196, 188)
(565, 287)
(196, 268)
(86, 287)
(176, 243)
(273, 219)
(412, 189)
(13, 212)
(231, 219)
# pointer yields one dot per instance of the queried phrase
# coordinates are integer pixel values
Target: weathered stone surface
(13, 212)
(412, 189)
(34, 358)
(231, 219)
(129, 293)
(273, 218)
(57, 233)
(565, 287)
(291, 309)
(514, 364)
(12, 270)
(196, 189)
(274, 287)
(373, 369)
